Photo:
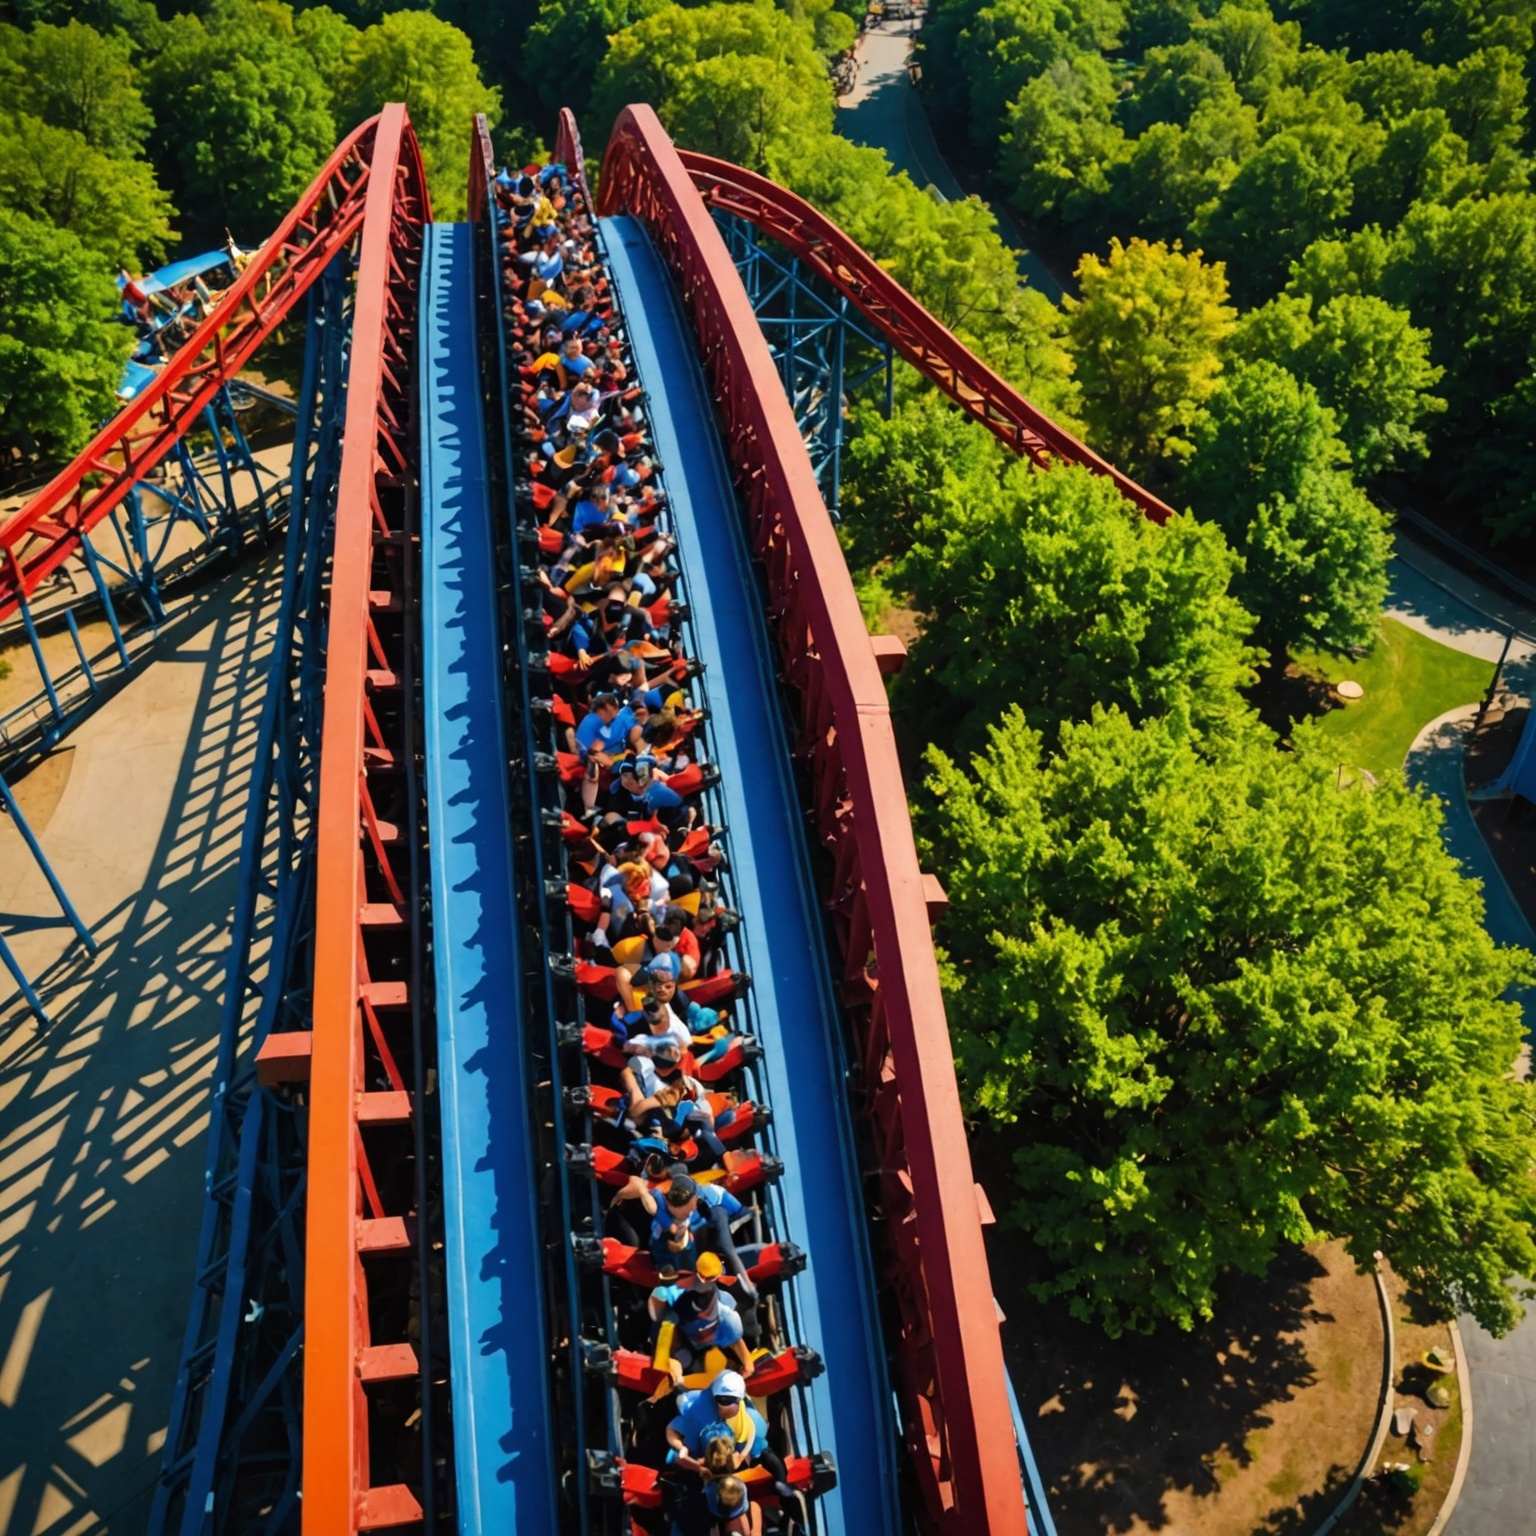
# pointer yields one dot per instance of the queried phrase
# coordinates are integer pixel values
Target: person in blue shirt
(704, 1317)
(593, 510)
(724, 1403)
(694, 1217)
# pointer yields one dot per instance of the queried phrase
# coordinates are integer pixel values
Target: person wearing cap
(703, 1314)
(723, 1402)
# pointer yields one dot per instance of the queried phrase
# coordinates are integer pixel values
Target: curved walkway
(884, 112)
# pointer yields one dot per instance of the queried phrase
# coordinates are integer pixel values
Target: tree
(566, 43)
(1268, 468)
(1060, 138)
(738, 105)
(61, 353)
(1468, 274)
(329, 39)
(893, 463)
(1296, 189)
(1484, 97)
(1011, 42)
(1170, 175)
(1368, 363)
(243, 115)
(1422, 158)
(649, 60)
(1216, 1005)
(114, 206)
(75, 77)
(1051, 591)
(1146, 332)
(1257, 51)
(1172, 83)
(412, 56)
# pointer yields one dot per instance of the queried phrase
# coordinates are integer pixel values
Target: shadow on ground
(1088, 1401)
(102, 1115)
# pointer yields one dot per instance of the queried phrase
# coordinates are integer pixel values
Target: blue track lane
(832, 1306)
(503, 1464)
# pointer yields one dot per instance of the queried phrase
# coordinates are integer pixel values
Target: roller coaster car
(777, 1261)
(636, 1372)
(642, 1486)
(741, 1172)
(733, 1121)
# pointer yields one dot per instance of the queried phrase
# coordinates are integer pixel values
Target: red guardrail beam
(44, 533)
(950, 1373)
(361, 917)
(934, 351)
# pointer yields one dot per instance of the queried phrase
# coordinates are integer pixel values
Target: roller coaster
(409, 1309)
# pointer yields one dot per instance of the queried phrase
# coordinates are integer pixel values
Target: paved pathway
(885, 112)
(102, 1117)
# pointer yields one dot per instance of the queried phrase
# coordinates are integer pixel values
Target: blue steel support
(13, 810)
(186, 496)
(825, 352)
(232, 1451)
(85, 662)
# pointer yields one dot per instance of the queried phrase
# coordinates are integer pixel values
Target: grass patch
(1409, 680)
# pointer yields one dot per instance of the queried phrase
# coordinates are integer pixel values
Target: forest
(1302, 248)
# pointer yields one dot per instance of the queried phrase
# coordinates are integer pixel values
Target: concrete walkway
(102, 1117)
(885, 112)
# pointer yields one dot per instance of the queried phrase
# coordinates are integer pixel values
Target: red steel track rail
(916, 335)
(949, 1361)
(44, 533)
(362, 920)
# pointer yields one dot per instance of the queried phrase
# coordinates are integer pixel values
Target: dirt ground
(1382, 1508)
(1255, 1424)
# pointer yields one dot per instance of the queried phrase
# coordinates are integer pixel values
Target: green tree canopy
(651, 59)
(1060, 138)
(243, 115)
(1295, 189)
(1257, 51)
(1147, 331)
(1268, 469)
(61, 352)
(114, 206)
(1051, 591)
(77, 78)
(566, 44)
(1172, 82)
(412, 56)
(1368, 362)
(1223, 1006)
(1170, 176)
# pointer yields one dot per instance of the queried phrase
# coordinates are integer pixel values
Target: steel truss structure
(196, 492)
(824, 349)
(232, 1449)
(792, 224)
